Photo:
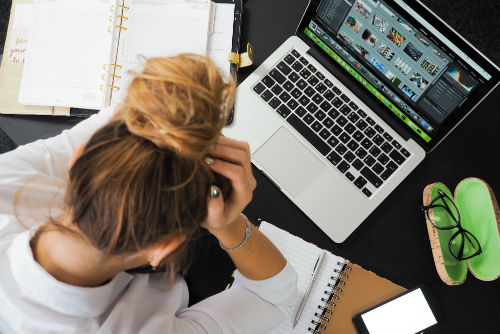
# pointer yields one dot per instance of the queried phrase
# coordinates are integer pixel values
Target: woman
(143, 180)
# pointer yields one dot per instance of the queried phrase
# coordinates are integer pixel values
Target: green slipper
(479, 213)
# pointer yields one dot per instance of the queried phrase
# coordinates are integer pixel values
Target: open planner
(341, 290)
(81, 51)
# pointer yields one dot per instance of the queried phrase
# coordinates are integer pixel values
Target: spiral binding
(332, 296)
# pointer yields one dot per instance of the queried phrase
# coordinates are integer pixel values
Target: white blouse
(32, 301)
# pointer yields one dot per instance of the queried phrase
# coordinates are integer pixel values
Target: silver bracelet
(247, 235)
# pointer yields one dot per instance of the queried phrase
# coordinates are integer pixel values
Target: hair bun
(179, 103)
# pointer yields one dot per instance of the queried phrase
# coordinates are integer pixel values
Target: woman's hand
(231, 158)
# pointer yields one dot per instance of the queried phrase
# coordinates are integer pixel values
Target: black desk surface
(393, 241)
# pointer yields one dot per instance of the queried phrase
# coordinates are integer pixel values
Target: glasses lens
(465, 245)
(445, 212)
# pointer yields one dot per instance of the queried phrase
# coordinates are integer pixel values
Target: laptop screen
(407, 64)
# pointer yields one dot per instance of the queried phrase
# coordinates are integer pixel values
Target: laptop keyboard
(325, 116)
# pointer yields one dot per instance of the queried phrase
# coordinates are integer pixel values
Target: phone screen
(407, 314)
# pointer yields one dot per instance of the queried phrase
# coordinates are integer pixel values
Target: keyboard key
(266, 96)
(353, 145)
(353, 117)
(349, 176)
(377, 168)
(301, 84)
(329, 95)
(303, 60)
(309, 91)
(259, 88)
(361, 153)
(275, 102)
(305, 73)
(336, 130)
(328, 83)
(320, 75)
(289, 59)
(320, 87)
(320, 115)
(333, 113)
(277, 89)
(361, 125)
(369, 132)
(385, 175)
(349, 156)
(313, 81)
(378, 139)
(284, 111)
(343, 166)
(296, 53)
(268, 81)
(337, 102)
(341, 149)
(386, 147)
(369, 120)
(397, 157)
(361, 113)
(369, 160)
(324, 134)
(396, 144)
(366, 192)
(342, 121)
(332, 141)
(366, 143)
(383, 159)
(325, 106)
(300, 111)
(308, 134)
(311, 107)
(316, 126)
(349, 128)
(297, 66)
(304, 100)
(360, 182)
(375, 151)
(285, 97)
(358, 136)
(387, 136)
(358, 164)
(345, 98)
(405, 153)
(292, 104)
(308, 118)
(379, 129)
(293, 77)
(344, 137)
(334, 158)
(392, 166)
(296, 93)
(283, 67)
(311, 68)
(288, 86)
(336, 90)
(318, 98)
(276, 75)
(353, 105)
(371, 177)
(345, 110)
(328, 122)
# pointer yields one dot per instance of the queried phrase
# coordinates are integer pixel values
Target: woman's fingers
(215, 210)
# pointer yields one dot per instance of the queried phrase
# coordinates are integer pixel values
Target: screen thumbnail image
(412, 51)
(419, 80)
(354, 24)
(370, 38)
(377, 64)
(462, 78)
(362, 51)
(393, 78)
(362, 8)
(405, 25)
(411, 94)
(347, 39)
(402, 66)
(430, 66)
(421, 39)
(440, 55)
(379, 23)
(386, 52)
(396, 37)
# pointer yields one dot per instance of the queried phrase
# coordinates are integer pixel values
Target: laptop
(346, 109)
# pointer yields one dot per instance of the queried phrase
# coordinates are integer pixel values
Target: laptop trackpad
(289, 162)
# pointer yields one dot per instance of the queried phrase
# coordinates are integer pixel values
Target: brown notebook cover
(357, 290)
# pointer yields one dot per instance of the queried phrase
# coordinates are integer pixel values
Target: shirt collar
(37, 285)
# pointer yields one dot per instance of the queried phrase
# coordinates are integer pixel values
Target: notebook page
(302, 255)
(160, 29)
(69, 44)
(219, 42)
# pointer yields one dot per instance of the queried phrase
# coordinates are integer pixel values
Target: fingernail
(214, 192)
(208, 160)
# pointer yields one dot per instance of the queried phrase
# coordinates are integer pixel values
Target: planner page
(159, 29)
(70, 42)
(303, 255)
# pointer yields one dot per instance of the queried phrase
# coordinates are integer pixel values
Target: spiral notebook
(80, 52)
(341, 290)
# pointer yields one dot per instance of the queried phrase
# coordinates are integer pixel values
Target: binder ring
(112, 8)
(116, 26)
(342, 282)
(312, 330)
(111, 75)
(334, 278)
(318, 324)
(112, 87)
(111, 17)
(338, 289)
(321, 317)
(325, 309)
(115, 65)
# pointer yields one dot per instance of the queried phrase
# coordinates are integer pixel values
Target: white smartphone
(408, 313)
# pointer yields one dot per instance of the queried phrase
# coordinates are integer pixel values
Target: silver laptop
(346, 108)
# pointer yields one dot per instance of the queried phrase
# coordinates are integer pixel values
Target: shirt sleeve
(249, 306)
(46, 159)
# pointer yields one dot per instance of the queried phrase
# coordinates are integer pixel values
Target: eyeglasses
(463, 245)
